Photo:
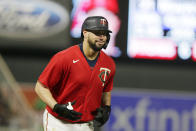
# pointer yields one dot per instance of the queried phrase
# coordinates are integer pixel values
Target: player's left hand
(103, 114)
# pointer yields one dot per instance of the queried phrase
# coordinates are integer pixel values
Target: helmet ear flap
(107, 41)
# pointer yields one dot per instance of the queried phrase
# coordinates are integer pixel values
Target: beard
(93, 45)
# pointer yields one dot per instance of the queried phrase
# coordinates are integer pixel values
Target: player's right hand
(63, 110)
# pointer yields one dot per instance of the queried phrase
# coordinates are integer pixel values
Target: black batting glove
(103, 114)
(66, 111)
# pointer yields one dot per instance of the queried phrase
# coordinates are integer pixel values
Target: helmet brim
(99, 29)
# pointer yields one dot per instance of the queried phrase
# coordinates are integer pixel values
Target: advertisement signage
(161, 29)
(31, 19)
(143, 111)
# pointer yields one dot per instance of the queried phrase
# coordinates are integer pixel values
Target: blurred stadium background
(153, 44)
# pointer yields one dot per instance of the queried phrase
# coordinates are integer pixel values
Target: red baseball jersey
(69, 77)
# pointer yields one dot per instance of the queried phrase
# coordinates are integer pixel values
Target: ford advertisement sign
(143, 111)
(31, 18)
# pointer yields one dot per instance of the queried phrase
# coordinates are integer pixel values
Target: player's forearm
(45, 95)
(106, 98)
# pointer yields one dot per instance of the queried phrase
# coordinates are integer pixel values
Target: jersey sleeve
(52, 74)
(109, 84)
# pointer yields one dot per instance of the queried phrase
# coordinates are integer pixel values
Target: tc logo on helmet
(103, 22)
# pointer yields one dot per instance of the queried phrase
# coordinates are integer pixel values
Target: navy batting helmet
(96, 23)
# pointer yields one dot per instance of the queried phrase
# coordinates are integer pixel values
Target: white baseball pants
(51, 123)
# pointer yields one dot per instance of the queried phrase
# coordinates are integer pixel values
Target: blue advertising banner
(155, 111)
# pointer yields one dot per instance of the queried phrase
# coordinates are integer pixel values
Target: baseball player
(77, 82)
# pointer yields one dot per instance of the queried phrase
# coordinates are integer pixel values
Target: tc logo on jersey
(104, 74)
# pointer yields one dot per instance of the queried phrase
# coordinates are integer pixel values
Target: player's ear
(85, 33)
